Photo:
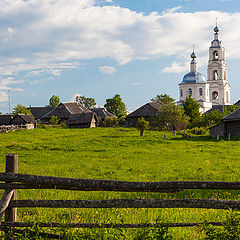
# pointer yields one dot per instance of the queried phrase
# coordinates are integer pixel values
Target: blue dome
(194, 77)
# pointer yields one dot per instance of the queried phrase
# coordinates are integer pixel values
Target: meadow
(121, 154)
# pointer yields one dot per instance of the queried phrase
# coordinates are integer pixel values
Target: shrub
(230, 231)
(110, 122)
(54, 120)
(142, 125)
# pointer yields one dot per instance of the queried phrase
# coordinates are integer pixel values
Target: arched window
(215, 95)
(181, 93)
(215, 75)
(215, 55)
(227, 97)
(200, 92)
(189, 91)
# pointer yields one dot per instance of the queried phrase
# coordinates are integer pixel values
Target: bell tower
(219, 88)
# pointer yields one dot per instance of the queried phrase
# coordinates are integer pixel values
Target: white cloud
(172, 10)
(3, 96)
(52, 36)
(136, 83)
(107, 69)
(108, 1)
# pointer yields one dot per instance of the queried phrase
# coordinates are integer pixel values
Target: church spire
(193, 64)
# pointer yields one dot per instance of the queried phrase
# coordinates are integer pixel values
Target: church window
(215, 75)
(215, 55)
(200, 92)
(189, 91)
(227, 97)
(181, 93)
(215, 95)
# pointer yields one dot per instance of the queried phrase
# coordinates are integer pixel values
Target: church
(214, 91)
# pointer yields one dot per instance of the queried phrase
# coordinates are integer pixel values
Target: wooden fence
(13, 181)
(6, 128)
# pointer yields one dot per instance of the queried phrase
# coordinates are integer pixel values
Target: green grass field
(121, 154)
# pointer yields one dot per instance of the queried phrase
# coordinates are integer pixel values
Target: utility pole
(9, 105)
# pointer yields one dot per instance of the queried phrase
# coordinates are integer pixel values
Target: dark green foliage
(170, 117)
(215, 117)
(164, 98)
(87, 102)
(230, 231)
(21, 109)
(142, 125)
(110, 121)
(191, 108)
(116, 106)
(54, 120)
(153, 233)
(54, 101)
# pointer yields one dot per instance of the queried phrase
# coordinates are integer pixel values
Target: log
(106, 225)
(111, 185)
(75, 188)
(130, 203)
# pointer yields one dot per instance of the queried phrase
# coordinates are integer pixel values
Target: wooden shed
(39, 112)
(5, 119)
(82, 120)
(101, 114)
(230, 125)
(147, 111)
(23, 119)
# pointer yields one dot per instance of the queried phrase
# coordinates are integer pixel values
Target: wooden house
(82, 120)
(39, 112)
(230, 125)
(23, 119)
(101, 114)
(5, 119)
(64, 110)
(147, 111)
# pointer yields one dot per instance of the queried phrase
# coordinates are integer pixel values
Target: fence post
(11, 167)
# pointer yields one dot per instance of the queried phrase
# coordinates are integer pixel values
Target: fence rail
(6, 128)
(14, 181)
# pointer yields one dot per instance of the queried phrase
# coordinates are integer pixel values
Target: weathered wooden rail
(6, 128)
(14, 181)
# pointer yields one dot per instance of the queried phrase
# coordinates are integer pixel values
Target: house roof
(147, 110)
(5, 119)
(64, 110)
(39, 112)
(26, 118)
(101, 112)
(233, 116)
(81, 118)
(220, 108)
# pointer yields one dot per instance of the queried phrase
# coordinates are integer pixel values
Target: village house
(20, 120)
(64, 110)
(39, 112)
(230, 125)
(101, 114)
(146, 111)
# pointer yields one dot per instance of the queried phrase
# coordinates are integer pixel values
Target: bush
(142, 125)
(230, 231)
(110, 122)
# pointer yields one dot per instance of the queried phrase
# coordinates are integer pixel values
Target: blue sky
(98, 48)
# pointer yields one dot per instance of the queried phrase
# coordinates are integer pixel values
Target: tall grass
(121, 154)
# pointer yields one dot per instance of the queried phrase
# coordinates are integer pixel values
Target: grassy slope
(121, 154)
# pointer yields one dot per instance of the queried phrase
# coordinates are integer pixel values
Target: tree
(116, 106)
(54, 101)
(170, 117)
(87, 102)
(110, 121)
(164, 98)
(54, 120)
(21, 109)
(142, 125)
(191, 109)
